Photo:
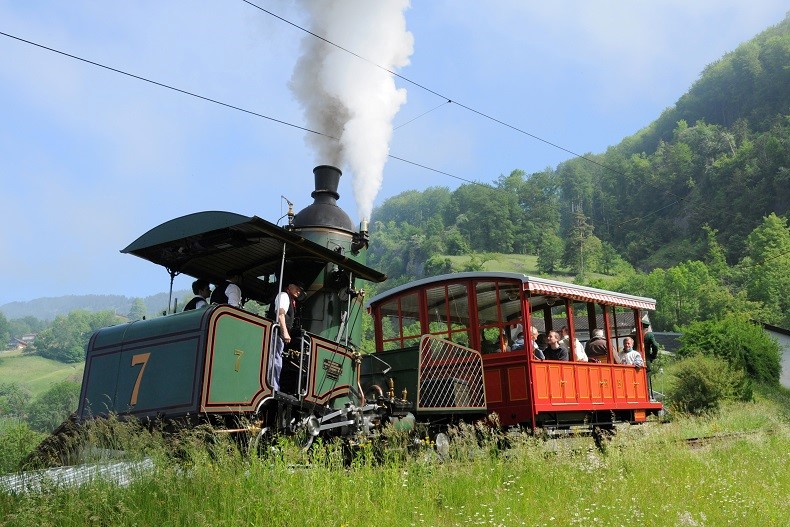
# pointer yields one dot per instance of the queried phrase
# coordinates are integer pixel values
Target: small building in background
(782, 335)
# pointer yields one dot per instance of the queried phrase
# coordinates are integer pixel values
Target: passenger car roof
(532, 284)
(209, 244)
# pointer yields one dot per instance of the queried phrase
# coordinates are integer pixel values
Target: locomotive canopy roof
(209, 244)
(531, 284)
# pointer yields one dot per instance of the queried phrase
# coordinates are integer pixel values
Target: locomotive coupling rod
(234, 430)
(334, 414)
(335, 425)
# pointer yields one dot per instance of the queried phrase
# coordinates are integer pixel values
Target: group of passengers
(557, 345)
(227, 292)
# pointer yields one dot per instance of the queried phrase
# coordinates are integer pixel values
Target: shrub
(17, 440)
(737, 340)
(52, 407)
(699, 384)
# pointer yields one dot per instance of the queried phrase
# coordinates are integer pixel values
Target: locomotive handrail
(304, 349)
(272, 347)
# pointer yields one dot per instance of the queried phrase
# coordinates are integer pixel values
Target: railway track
(703, 441)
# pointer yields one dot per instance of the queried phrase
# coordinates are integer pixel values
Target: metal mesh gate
(450, 376)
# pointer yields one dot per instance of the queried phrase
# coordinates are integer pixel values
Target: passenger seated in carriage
(596, 347)
(554, 351)
(518, 343)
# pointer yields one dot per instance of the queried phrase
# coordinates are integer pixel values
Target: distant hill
(48, 308)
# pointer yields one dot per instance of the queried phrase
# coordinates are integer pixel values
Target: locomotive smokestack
(324, 212)
(327, 179)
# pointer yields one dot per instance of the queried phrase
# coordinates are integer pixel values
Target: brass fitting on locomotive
(361, 239)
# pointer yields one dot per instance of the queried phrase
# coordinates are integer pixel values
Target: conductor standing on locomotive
(284, 307)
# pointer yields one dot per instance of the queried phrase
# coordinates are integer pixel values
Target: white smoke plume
(349, 98)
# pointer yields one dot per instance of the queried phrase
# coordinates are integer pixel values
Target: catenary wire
(468, 108)
(286, 123)
(227, 105)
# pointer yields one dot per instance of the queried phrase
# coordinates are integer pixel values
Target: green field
(36, 373)
(648, 475)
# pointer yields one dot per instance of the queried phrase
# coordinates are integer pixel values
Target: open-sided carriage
(480, 314)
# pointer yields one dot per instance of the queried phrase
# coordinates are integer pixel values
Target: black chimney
(324, 212)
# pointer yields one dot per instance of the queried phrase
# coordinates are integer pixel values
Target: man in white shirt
(284, 307)
(202, 290)
(228, 292)
(578, 349)
(629, 355)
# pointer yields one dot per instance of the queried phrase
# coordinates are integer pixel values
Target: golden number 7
(141, 358)
(238, 354)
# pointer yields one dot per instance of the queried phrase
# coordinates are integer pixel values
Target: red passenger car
(451, 342)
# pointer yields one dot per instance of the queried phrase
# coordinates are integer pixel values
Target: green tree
(539, 203)
(5, 331)
(28, 324)
(437, 265)
(699, 384)
(550, 253)
(490, 213)
(580, 247)
(138, 311)
(17, 440)
(737, 340)
(766, 268)
(66, 337)
(14, 399)
(54, 406)
(714, 254)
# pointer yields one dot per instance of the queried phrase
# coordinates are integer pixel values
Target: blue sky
(91, 159)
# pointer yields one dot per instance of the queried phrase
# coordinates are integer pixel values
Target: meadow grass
(647, 475)
(36, 373)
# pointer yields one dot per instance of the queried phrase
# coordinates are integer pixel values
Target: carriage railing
(449, 377)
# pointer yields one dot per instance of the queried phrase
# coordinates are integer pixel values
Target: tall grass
(648, 475)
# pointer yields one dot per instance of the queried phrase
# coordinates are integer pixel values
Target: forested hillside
(707, 181)
(717, 162)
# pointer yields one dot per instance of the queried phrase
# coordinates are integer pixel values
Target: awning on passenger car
(209, 244)
(587, 294)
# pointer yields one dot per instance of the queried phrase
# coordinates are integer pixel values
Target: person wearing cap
(202, 290)
(229, 291)
(596, 346)
(284, 307)
(651, 345)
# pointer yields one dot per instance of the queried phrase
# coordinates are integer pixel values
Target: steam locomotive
(445, 346)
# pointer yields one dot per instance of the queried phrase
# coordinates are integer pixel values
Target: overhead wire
(448, 101)
(316, 132)
(466, 107)
(221, 103)
(163, 85)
